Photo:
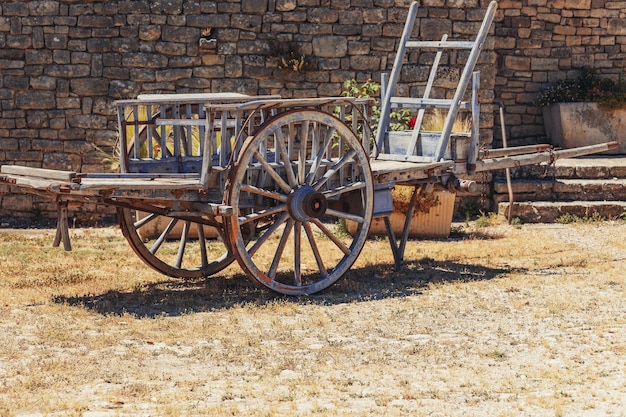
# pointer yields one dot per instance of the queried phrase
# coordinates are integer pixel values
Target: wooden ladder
(390, 101)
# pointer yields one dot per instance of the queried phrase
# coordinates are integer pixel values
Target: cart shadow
(376, 282)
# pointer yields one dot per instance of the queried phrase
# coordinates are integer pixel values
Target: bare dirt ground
(495, 321)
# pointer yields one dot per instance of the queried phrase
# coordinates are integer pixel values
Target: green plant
(569, 218)
(588, 86)
(486, 220)
(469, 208)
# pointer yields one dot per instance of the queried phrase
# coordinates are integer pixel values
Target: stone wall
(539, 42)
(63, 63)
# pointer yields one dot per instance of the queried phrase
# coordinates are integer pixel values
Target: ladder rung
(440, 44)
(427, 102)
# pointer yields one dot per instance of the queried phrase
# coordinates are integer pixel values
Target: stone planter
(570, 125)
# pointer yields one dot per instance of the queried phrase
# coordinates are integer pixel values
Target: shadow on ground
(176, 297)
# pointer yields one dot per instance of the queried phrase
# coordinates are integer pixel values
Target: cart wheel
(175, 247)
(297, 180)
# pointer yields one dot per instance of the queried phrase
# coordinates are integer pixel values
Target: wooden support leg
(398, 248)
(395, 250)
(63, 229)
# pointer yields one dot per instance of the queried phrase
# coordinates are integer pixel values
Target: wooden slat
(180, 122)
(441, 44)
(427, 102)
(50, 174)
(404, 158)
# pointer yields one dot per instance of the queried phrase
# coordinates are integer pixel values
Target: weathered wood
(62, 233)
(391, 172)
(517, 150)
(137, 183)
(50, 174)
(542, 157)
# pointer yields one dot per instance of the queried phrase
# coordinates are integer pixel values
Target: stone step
(549, 212)
(594, 167)
(561, 189)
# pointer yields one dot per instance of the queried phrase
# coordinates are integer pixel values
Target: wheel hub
(305, 204)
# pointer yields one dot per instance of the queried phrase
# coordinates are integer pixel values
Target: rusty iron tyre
(300, 176)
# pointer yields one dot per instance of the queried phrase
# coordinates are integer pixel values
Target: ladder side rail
(429, 85)
(464, 80)
(472, 156)
(393, 79)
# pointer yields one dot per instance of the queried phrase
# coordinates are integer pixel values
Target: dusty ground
(496, 321)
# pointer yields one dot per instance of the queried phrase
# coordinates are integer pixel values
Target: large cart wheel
(175, 247)
(302, 175)
(180, 248)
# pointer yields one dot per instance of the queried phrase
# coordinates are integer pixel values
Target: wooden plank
(137, 183)
(391, 172)
(50, 174)
(33, 182)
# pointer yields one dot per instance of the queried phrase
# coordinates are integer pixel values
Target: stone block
(254, 6)
(61, 161)
(285, 5)
(89, 86)
(28, 100)
(330, 46)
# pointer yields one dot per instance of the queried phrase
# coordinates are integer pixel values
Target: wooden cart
(206, 179)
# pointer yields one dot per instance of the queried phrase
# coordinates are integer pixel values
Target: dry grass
(496, 321)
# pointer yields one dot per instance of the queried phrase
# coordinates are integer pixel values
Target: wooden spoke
(315, 249)
(182, 244)
(266, 193)
(317, 161)
(348, 157)
(344, 189)
(280, 248)
(280, 141)
(157, 244)
(141, 223)
(268, 233)
(332, 237)
(345, 216)
(272, 173)
(261, 214)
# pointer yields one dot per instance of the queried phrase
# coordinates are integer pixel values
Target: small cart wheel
(295, 184)
(175, 247)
